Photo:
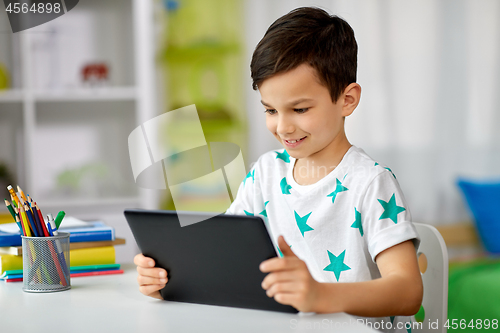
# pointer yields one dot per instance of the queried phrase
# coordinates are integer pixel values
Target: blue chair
(483, 199)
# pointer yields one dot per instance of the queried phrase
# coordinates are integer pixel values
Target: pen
(52, 225)
(59, 218)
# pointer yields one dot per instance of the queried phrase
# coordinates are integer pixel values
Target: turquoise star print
(302, 223)
(248, 213)
(338, 189)
(391, 172)
(284, 156)
(391, 210)
(264, 212)
(357, 222)
(250, 174)
(336, 264)
(285, 188)
(387, 169)
(279, 251)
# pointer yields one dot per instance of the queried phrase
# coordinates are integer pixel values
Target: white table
(113, 303)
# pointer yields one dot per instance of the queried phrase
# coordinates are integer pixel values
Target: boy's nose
(285, 125)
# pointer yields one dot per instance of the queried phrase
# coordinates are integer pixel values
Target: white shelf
(51, 113)
(126, 201)
(11, 96)
(71, 95)
(86, 94)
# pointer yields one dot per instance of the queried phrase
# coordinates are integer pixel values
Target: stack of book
(92, 249)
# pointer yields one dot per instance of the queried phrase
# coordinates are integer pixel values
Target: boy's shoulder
(362, 165)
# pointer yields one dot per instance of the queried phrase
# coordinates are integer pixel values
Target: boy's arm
(398, 292)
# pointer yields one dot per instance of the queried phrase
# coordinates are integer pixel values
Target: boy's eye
(270, 111)
(301, 110)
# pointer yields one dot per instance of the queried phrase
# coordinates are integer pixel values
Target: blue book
(95, 231)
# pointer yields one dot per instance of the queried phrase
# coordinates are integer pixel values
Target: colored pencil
(13, 196)
(40, 223)
(30, 212)
(21, 193)
(24, 223)
(20, 225)
(9, 207)
(30, 219)
(41, 218)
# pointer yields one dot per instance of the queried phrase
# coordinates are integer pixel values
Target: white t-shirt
(337, 225)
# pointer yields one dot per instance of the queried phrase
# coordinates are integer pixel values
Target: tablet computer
(215, 261)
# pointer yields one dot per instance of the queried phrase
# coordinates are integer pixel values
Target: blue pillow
(483, 199)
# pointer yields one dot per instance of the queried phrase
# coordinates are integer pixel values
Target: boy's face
(300, 113)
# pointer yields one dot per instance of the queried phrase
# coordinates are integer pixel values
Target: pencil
(9, 207)
(30, 200)
(40, 223)
(23, 197)
(39, 228)
(13, 195)
(32, 222)
(20, 225)
(24, 221)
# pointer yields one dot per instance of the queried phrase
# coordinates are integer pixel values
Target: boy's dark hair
(308, 35)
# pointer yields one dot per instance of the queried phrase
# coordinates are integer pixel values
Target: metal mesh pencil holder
(46, 263)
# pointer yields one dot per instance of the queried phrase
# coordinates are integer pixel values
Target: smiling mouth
(293, 141)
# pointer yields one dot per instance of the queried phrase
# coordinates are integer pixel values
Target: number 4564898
(39, 8)
(473, 324)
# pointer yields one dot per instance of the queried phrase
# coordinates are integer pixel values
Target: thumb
(285, 248)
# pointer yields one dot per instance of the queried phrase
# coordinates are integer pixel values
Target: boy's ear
(350, 98)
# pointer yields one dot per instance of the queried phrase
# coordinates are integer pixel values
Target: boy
(350, 245)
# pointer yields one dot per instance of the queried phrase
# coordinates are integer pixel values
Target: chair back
(432, 256)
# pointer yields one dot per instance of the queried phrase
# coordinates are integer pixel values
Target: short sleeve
(385, 215)
(243, 203)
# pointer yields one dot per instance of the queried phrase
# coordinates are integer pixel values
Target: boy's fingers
(270, 265)
(276, 277)
(146, 280)
(282, 287)
(152, 290)
(279, 264)
(143, 261)
(152, 272)
(285, 248)
(286, 298)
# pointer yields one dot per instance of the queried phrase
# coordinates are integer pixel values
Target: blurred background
(73, 89)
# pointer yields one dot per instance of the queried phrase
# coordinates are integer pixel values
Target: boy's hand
(151, 279)
(289, 281)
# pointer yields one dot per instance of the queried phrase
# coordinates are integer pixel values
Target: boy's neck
(311, 169)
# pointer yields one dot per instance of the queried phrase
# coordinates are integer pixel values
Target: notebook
(214, 262)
